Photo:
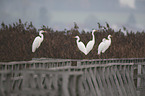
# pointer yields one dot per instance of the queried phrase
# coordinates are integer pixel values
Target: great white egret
(104, 45)
(81, 45)
(91, 43)
(37, 41)
(101, 46)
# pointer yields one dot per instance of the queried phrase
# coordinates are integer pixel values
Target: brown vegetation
(16, 41)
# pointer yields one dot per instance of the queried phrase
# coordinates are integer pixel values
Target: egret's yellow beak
(95, 30)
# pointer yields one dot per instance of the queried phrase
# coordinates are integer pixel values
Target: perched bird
(81, 45)
(104, 45)
(91, 43)
(37, 41)
(101, 46)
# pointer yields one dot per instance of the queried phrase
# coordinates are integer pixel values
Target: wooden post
(138, 78)
(65, 85)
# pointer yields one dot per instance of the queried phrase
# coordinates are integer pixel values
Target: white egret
(37, 41)
(91, 43)
(104, 45)
(101, 46)
(81, 45)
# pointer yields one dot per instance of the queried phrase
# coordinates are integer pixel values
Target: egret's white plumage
(104, 45)
(101, 46)
(91, 43)
(37, 41)
(81, 45)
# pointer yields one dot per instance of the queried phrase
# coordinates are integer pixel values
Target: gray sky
(61, 14)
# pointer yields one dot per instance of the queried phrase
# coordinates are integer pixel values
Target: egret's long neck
(109, 38)
(41, 35)
(93, 36)
(78, 39)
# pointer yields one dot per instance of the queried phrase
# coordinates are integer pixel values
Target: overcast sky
(61, 14)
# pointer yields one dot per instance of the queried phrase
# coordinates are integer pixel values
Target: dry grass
(16, 41)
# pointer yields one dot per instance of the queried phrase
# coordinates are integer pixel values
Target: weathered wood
(72, 87)
(1, 85)
(117, 82)
(115, 91)
(86, 86)
(103, 77)
(127, 88)
(65, 85)
(130, 82)
(120, 82)
(139, 79)
(95, 77)
(98, 79)
(110, 88)
(91, 87)
(80, 87)
(142, 87)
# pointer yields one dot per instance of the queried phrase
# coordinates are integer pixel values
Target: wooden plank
(32, 92)
(122, 88)
(26, 81)
(55, 81)
(102, 74)
(130, 82)
(116, 82)
(69, 60)
(86, 86)
(16, 81)
(142, 90)
(43, 76)
(97, 74)
(80, 87)
(32, 80)
(39, 81)
(2, 90)
(7, 84)
(48, 81)
(97, 90)
(114, 86)
(123, 74)
(72, 85)
(138, 79)
(103, 81)
(107, 73)
(65, 85)
(91, 87)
